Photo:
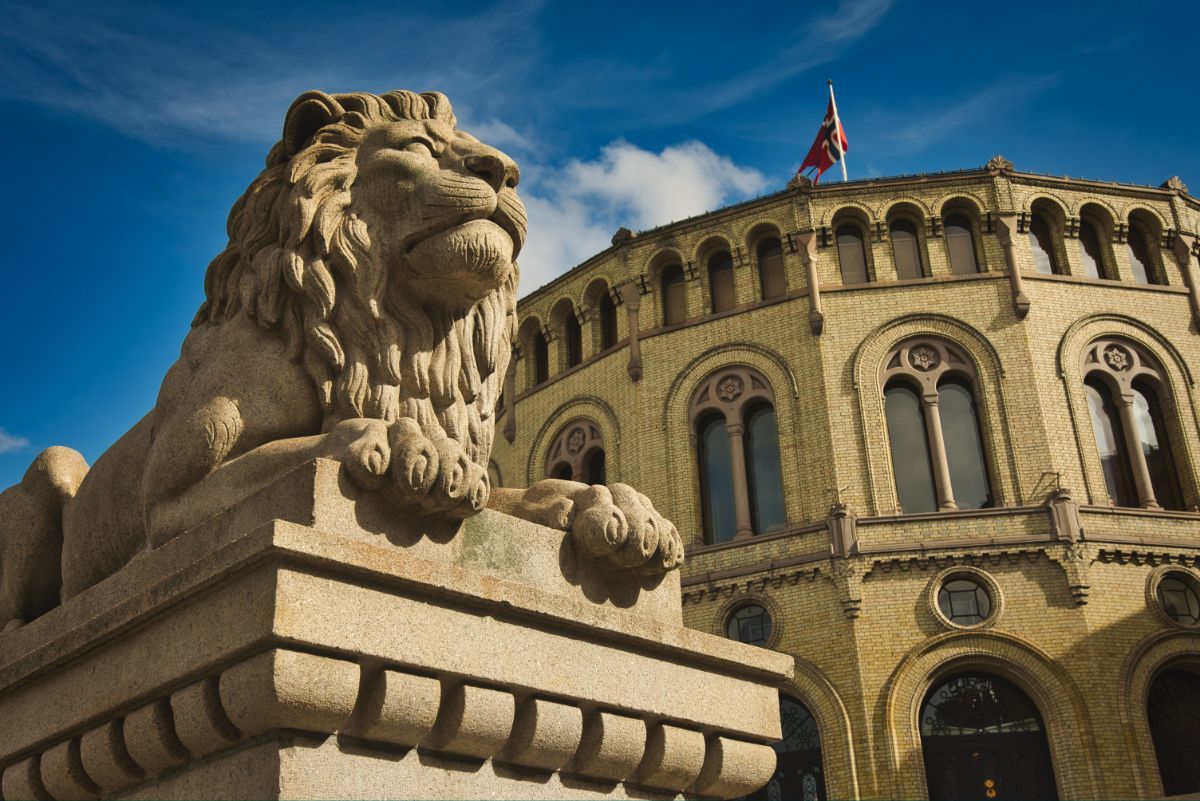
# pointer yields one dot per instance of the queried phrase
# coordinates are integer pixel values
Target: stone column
(741, 485)
(510, 397)
(1006, 232)
(1182, 248)
(1137, 457)
(806, 242)
(937, 451)
(632, 298)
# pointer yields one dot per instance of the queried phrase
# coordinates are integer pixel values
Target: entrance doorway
(983, 739)
(1173, 708)
(799, 775)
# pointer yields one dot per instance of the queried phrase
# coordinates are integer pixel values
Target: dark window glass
(608, 322)
(574, 340)
(1089, 250)
(964, 601)
(494, 475)
(1139, 256)
(750, 624)
(594, 467)
(1179, 599)
(851, 255)
(981, 737)
(762, 471)
(1042, 245)
(674, 295)
(770, 268)
(964, 447)
(799, 772)
(541, 358)
(1152, 433)
(720, 281)
(716, 480)
(960, 243)
(910, 450)
(1110, 441)
(906, 249)
(1173, 710)
(561, 470)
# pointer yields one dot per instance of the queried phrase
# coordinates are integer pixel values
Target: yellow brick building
(938, 438)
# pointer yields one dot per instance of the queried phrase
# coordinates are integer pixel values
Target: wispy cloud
(10, 442)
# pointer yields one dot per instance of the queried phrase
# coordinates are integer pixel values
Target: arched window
(1173, 710)
(674, 295)
(852, 255)
(938, 457)
(982, 737)
(607, 312)
(720, 281)
(1090, 253)
(494, 476)
(960, 244)
(1126, 394)
(574, 339)
(577, 453)
(799, 772)
(1141, 260)
(906, 249)
(771, 277)
(1041, 244)
(737, 438)
(541, 358)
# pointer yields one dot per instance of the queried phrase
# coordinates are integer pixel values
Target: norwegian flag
(830, 145)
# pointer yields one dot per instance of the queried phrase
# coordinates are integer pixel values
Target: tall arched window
(938, 457)
(960, 244)
(674, 295)
(541, 358)
(982, 737)
(1173, 711)
(607, 312)
(1041, 244)
(799, 772)
(1140, 255)
(1126, 393)
(720, 281)
(577, 453)
(741, 483)
(906, 249)
(1090, 253)
(852, 254)
(772, 281)
(574, 339)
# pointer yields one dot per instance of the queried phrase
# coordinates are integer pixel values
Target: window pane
(960, 243)
(574, 341)
(750, 624)
(720, 281)
(1089, 250)
(910, 450)
(541, 358)
(716, 480)
(770, 268)
(762, 470)
(1153, 436)
(799, 772)
(964, 448)
(674, 296)
(1042, 246)
(906, 250)
(561, 470)
(595, 468)
(1139, 256)
(608, 322)
(1106, 426)
(851, 255)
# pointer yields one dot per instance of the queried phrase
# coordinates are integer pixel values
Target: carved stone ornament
(924, 358)
(623, 234)
(378, 240)
(800, 182)
(729, 388)
(1175, 184)
(1117, 358)
(998, 163)
(576, 440)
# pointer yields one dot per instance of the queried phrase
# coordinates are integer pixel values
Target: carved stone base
(308, 644)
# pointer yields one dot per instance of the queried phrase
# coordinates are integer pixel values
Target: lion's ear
(310, 113)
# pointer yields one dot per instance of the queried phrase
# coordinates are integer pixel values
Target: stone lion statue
(363, 311)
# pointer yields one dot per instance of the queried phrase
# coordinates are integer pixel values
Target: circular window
(964, 601)
(1179, 597)
(750, 624)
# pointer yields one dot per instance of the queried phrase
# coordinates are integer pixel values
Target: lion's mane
(300, 262)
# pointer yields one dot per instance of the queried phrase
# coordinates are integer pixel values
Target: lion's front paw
(430, 473)
(620, 524)
(361, 445)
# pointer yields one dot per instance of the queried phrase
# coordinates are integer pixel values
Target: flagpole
(837, 126)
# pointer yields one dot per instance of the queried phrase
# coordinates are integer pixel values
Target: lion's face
(442, 206)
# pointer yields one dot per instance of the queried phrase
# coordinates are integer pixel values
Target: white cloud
(573, 211)
(10, 442)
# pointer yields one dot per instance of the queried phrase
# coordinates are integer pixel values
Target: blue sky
(129, 130)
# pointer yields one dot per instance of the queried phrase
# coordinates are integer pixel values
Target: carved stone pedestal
(307, 643)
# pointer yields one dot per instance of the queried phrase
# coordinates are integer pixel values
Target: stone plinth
(308, 644)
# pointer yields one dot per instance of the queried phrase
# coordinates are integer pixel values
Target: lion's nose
(496, 171)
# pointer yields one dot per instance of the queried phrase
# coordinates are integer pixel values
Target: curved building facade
(936, 437)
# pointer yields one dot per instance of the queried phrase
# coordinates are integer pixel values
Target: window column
(937, 450)
(741, 494)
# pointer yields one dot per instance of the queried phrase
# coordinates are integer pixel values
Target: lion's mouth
(508, 215)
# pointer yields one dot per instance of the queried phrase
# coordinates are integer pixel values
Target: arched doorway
(1173, 707)
(799, 775)
(983, 739)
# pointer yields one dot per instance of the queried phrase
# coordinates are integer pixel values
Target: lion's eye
(419, 147)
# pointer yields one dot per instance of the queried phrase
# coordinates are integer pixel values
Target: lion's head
(381, 241)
